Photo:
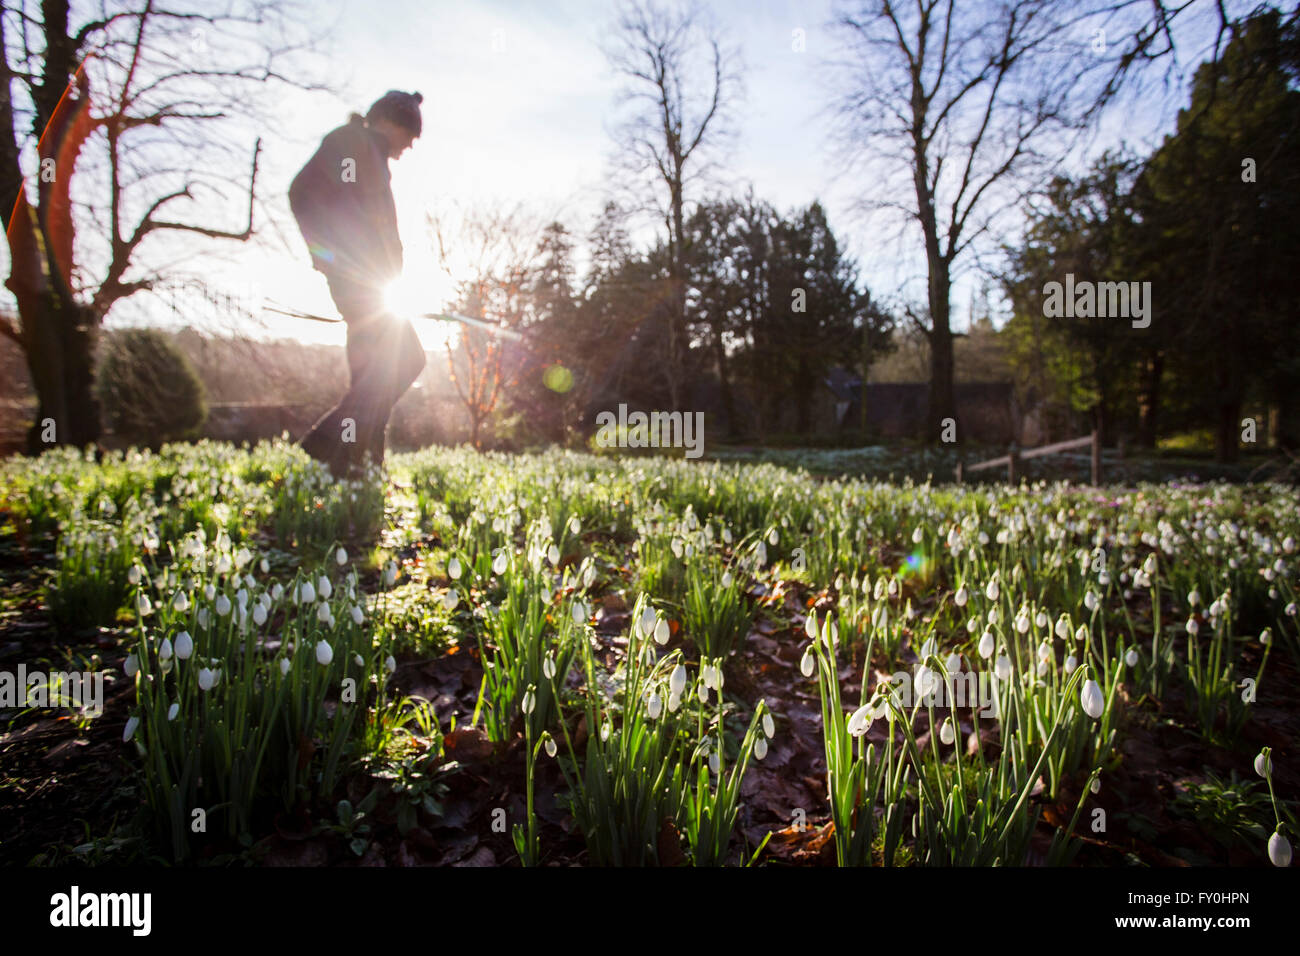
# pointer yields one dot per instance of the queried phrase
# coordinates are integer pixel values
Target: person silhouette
(343, 202)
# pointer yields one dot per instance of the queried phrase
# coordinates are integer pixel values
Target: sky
(520, 104)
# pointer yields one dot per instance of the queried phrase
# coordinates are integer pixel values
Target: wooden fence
(1013, 457)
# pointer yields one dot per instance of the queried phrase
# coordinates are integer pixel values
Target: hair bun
(417, 97)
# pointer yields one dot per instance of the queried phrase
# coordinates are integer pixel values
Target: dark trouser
(384, 357)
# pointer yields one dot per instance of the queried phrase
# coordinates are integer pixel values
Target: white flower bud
(129, 731)
(1279, 850)
(324, 653)
(1094, 703)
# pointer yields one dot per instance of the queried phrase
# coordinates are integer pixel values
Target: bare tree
(964, 107)
(675, 117)
(498, 253)
(125, 106)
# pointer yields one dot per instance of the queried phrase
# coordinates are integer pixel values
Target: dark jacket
(343, 202)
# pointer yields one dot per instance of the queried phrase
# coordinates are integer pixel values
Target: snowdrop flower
(986, 645)
(1044, 651)
(132, 665)
(548, 667)
(648, 620)
(1291, 609)
(714, 763)
(172, 711)
(1094, 704)
(180, 602)
(925, 680)
(390, 663)
(654, 705)
(1090, 600)
(165, 649)
(662, 631)
(769, 726)
(702, 692)
(927, 648)
(550, 746)
(1131, 658)
(581, 613)
(917, 536)
(553, 554)
(1263, 764)
(991, 590)
(324, 614)
(454, 569)
(144, 605)
(529, 703)
(307, 593)
(390, 574)
(340, 557)
(953, 663)
(284, 666)
(324, 653)
(760, 748)
(265, 565)
(1062, 627)
(324, 588)
(207, 678)
(946, 734)
(1194, 598)
(184, 646)
(1279, 849)
(860, 722)
(677, 681)
(131, 724)
(1002, 667)
(1103, 578)
(1193, 626)
(133, 576)
(1095, 786)
(1022, 621)
(726, 579)
(961, 596)
(1041, 619)
(1070, 663)
(575, 525)
(222, 605)
(807, 663)
(277, 591)
(358, 660)
(1266, 636)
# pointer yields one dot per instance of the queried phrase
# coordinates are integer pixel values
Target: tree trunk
(1149, 402)
(1228, 431)
(724, 383)
(942, 399)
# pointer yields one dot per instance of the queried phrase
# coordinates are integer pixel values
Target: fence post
(1012, 458)
(1096, 457)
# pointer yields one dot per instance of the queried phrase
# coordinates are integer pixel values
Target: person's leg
(340, 437)
(399, 364)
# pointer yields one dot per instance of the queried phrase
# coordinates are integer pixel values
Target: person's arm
(378, 208)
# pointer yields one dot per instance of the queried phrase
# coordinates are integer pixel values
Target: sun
(417, 294)
(412, 295)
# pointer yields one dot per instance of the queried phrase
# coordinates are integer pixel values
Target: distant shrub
(148, 390)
